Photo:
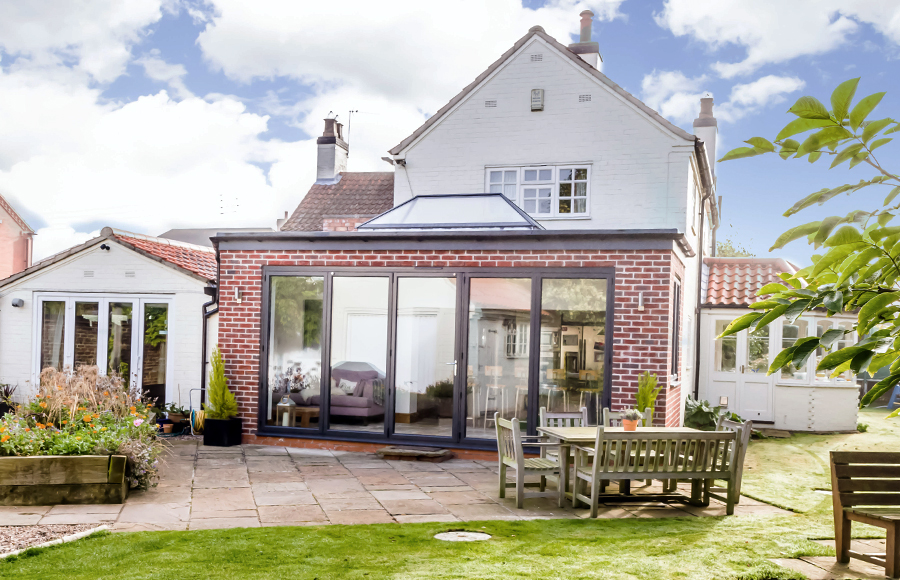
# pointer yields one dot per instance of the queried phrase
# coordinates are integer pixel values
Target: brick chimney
(332, 155)
(706, 128)
(584, 48)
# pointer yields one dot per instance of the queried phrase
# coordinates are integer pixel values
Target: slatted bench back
(548, 419)
(636, 454)
(863, 478)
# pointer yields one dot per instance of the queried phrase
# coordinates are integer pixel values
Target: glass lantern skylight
(474, 211)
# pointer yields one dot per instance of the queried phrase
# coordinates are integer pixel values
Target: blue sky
(143, 115)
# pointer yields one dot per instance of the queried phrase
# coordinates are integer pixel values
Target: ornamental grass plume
(222, 404)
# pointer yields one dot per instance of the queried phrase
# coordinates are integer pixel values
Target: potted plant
(647, 393)
(442, 393)
(630, 419)
(176, 413)
(6, 401)
(222, 426)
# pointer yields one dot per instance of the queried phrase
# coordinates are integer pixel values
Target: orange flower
(2, 429)
(43, 405)
(4, 439)
(96, 415)
(95, 431)
(103, 428)
(64, 422)
(105, 393)
(86, 418)
(78, 439)
(27, 429)
(58, 388)
(133, 408)
(39, 425)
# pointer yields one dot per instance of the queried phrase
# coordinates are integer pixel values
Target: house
(126, 302)
(16, 241)
(733, 369)
(538, 244)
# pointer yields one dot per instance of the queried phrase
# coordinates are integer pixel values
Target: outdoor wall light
(17, 303)
(104, 247)
(641, 302)
(238, 295)
(723, 401)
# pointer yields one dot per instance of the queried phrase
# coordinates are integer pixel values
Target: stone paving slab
(256, 485)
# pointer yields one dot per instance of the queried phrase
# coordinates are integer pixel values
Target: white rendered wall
(639, 171)
(18, 363)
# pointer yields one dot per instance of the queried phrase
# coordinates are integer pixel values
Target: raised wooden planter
(61, 479)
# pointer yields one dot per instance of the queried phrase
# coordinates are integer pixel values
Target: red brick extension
(642, 338)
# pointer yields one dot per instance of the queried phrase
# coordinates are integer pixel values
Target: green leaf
(858, 263)
(802, 349)
(771, 288)
(846, 154)
(837, 358)
(858, 158)
(814, 156)
(874, 127)
(788, 148)
(880, 388)
(761, 144)
(823, 137)
(879, 142)
(809, 108)
(830, 337)
(861, 361)
(885, 218)
(770, 316)
(836, 256)
(845, 235)
(828, 224)
(795, 234)
(842, 97)
(893, 129)
(890, 197)
(781, 360)
(863, 108)
(801, 125)
(884, 232)
(834, 301)
(882, 360)
(868, 314)
(894, 413)
(740, 153)
(740, 323)
(771, 303)
(796, 309)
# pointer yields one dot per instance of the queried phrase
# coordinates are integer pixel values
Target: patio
(250, 486)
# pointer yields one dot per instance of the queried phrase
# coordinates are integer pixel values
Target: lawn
(784, 471)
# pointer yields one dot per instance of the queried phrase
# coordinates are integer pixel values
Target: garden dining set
(583, 460)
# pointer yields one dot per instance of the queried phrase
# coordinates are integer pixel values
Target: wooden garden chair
(614, 419)
(743, 430)
(865, 487)
(548, 419)
(512, 454)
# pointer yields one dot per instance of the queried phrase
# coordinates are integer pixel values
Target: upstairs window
(544, 191)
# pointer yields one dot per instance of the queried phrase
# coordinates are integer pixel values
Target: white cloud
(674, 95)
(158, 69)
(96, 35)
(751, 97)
(774, 31)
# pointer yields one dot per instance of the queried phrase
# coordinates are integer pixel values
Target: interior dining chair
(495, 392)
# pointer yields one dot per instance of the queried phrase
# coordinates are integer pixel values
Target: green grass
(784, 472)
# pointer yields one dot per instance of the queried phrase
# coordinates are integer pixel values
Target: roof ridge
(165, 241)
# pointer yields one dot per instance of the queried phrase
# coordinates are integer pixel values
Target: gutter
(213, 292)
(708, 187)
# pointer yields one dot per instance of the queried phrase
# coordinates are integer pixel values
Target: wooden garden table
(568, 436)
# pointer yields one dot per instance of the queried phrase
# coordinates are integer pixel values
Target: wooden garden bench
(865, 487)
(699, 456)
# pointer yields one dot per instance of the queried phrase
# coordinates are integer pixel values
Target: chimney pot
(588, 51)
(707, 128)
(586, 21)
(332, 153)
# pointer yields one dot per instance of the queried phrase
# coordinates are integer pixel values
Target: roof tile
(196, 259)
(735, 281)
(356, 194)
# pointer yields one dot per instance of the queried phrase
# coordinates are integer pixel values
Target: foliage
(297, 311)
(857, 270)
(862, 427)
(84, 413)
(647, 392)
(157, 324)
(440, 390)
(177, 409)
(729, 249)
(6, 393)
(701, 415)
(632, 415)
(222, 404)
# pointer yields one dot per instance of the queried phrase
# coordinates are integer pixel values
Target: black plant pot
(222, 432)
(4, 409)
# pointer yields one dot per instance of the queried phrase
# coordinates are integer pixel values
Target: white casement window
(517, 339)
(544, 191)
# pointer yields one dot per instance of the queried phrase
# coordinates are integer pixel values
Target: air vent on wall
(129, 274)
(584, 98)
(490, 104)
(537, 57)
(88, 273)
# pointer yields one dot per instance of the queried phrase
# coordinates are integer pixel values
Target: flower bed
(84, 413)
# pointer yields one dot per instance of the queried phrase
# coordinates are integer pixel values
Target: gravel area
(18, 537)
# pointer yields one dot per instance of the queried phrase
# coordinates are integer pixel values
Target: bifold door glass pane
(758, 350)
(53, 332)
(119, 343)
(153, 361)
(87, 324)
(424, 376)
(295, 350)
(497, 369)
(726, 349)
(359, 339)
(573, 345)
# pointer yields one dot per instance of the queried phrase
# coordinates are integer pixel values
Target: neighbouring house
(733, 369)
(16, 241)
(202, 236)
(538, 244)
(126, 302)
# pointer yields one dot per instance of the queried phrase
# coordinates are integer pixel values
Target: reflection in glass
(53, 331)
(758, 350)
(499, 331)
(573, 344)
(822, 326)
(359, 337)
(295, 350)
(790, 333)
(87, 324)
(119, 343)
(426, 334)
(153, 362)
(726, 349)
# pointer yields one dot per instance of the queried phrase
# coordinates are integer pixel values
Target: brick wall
(342, 224)
(641, 340)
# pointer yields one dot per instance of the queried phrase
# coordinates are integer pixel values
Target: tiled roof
(15, 217)
(357, 194)
(735, 281)
(197, 259)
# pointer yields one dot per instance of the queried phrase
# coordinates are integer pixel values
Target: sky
(148, 115)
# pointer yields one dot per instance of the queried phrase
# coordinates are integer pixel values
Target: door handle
(742, 368)
(454, 367)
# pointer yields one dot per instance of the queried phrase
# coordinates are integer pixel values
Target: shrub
(84, 413)
(440, 389)
(647, 393)
(701, 415)
(222, 404)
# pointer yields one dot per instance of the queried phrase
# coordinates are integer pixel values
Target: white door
(737, 371)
